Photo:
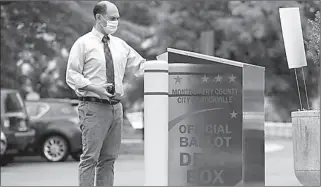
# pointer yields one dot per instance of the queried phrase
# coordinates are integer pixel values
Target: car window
(14, 103)
(31, 108)
(52, 109)
(64, 109)
(36, 110)
(67, 110)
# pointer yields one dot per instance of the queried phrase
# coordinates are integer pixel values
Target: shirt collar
(97, 33)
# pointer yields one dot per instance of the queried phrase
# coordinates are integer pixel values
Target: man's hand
(105, 86)
(117, 97)
(100, 90)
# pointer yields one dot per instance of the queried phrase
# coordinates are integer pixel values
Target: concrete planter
(306, 146)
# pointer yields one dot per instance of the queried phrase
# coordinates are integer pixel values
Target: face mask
(111, 26)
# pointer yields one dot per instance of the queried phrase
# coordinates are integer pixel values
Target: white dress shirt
(86, 63)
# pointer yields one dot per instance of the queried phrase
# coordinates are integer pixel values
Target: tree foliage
(314, 45)
(314, 41)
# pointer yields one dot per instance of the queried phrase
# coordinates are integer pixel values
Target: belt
(94, 99)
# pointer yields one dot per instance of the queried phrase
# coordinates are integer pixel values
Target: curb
(271, 147)
(132, 147)
(274, 130)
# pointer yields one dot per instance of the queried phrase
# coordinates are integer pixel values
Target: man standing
(95, 71)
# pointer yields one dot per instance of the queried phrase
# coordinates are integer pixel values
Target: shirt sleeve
(74, 77)
(135, 62)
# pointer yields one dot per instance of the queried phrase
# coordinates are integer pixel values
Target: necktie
(109, 63)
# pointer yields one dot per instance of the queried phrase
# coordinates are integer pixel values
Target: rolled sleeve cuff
(83, 83)
(140, 69)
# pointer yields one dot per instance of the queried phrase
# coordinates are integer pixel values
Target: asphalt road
(129, 170)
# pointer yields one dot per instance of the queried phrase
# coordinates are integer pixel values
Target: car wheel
(76, 156)
(55, 148)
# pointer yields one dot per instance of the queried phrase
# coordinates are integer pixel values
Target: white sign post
(293, 43)
(156, 123)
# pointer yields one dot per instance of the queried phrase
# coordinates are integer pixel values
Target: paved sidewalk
(279, 165)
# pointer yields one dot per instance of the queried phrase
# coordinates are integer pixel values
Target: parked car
(58, 133)
(16, 133)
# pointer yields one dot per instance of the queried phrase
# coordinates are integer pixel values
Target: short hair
(100, 8)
